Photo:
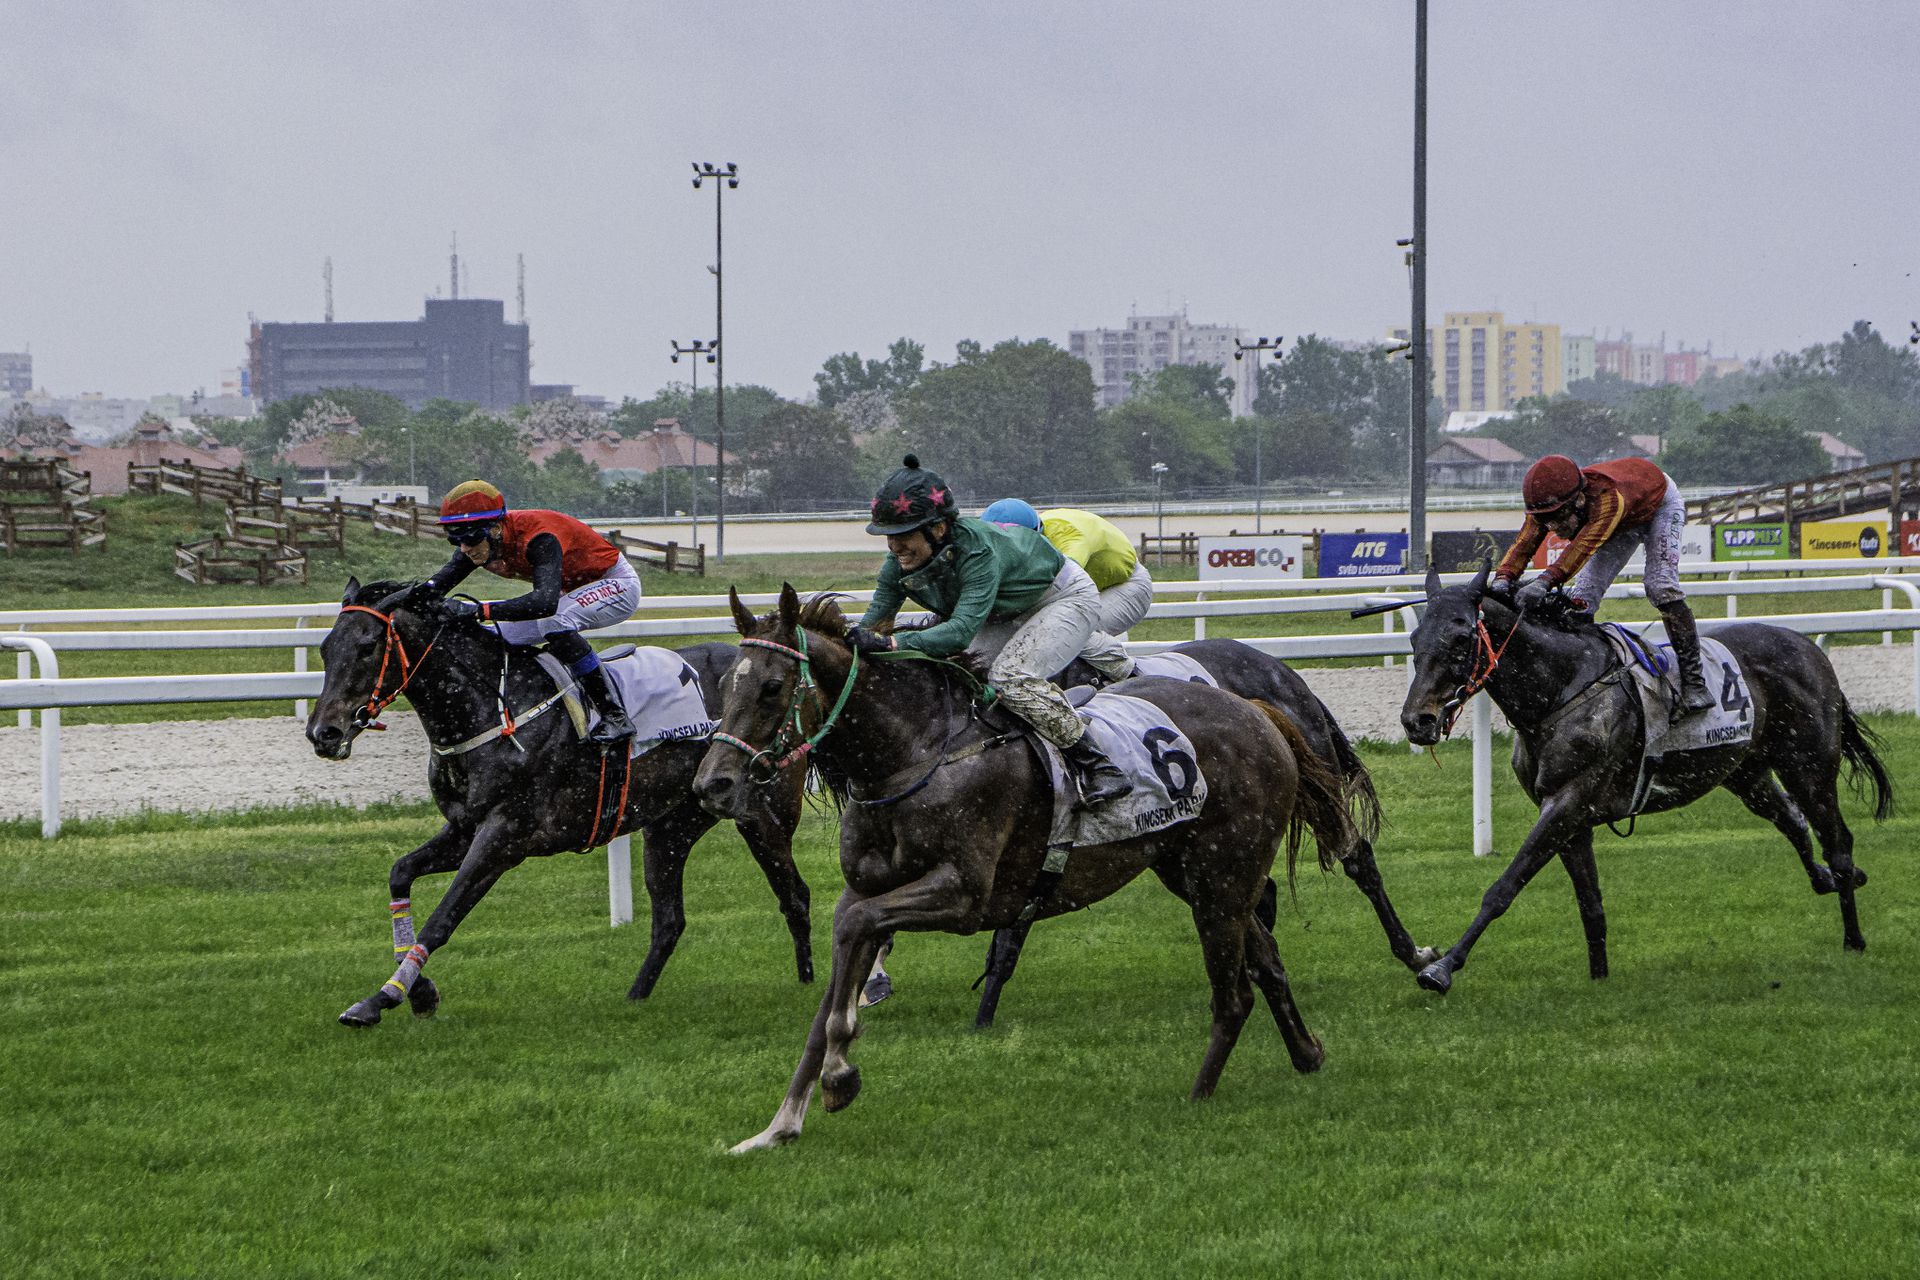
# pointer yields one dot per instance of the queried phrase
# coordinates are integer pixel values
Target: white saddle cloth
(1174, 666)
(660, 692)
(1168, 787)
(1727, 723)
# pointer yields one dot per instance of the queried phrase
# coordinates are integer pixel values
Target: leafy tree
(1298, 443)
(564, 482)
(1018, 418)
(450, 442)
(1364, 392)
(1742, 445)
(807, 456)
(1664, 412)
(668, 491)
(1582, 430)
(1204, 387)
(846, 375)
(1606, 389)
(1194, 444)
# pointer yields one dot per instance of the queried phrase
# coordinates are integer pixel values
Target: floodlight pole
(711, 350)
(724, 179)
(1240, 349)
(1417, 330)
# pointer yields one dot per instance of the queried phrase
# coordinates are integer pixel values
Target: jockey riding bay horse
(1578, 734)
(537, 789)
(947, 815)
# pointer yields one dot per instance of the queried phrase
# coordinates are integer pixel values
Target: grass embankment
(137, 571)
(1736, 1100)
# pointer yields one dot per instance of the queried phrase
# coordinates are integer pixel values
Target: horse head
(369, 654)
(771, 697)
(1446, 651)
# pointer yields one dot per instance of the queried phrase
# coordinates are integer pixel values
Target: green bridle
(769, 758)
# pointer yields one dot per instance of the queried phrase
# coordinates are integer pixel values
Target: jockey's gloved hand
(862, 640)
(455, 609)
(1501, 588)
(1535, 593)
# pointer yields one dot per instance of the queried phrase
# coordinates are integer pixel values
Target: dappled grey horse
(1578, 730)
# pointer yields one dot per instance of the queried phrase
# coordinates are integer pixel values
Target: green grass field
(1736, 1100)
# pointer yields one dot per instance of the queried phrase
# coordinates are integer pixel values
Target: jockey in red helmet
(997, 587)
(1607, 511)
(580, 581)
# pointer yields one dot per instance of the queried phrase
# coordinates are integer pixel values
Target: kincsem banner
(1843, 539)
(1751, 541)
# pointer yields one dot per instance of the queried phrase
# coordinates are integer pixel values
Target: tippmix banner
(1751, 540)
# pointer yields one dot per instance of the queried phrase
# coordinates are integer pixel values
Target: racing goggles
(467, 535)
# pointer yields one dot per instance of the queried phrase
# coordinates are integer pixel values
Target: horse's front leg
(1557, 826)
(1361, 868)
(488, 855)
(1577, 858)
(441, 853)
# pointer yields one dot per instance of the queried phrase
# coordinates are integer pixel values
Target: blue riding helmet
(1012, 511)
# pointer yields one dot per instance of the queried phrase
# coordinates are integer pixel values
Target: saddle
(1654, 676)
(659, 691)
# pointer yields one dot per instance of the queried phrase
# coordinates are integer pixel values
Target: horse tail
(1859, 746)
(1320, 804)
(1363, 802)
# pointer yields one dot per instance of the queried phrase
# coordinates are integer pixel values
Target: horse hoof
(806, 969)
(1313, 1059)
(1859, 877)
(766, 1140)
(878, 988)
(1435, 978)
(1425, 956)
(839, 1087)
(363, 1014)
(1856, 944)
(423, 997)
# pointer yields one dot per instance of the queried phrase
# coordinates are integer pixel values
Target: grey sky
(1740, 173)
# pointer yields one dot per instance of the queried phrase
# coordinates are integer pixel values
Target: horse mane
(374, 592)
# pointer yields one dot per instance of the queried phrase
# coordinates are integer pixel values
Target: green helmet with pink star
(912, 498)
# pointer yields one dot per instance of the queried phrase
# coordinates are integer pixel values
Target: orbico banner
(1362, 555)
(1750, 541)
(1272, 555)
(1843, 539)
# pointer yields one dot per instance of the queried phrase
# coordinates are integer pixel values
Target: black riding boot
(614, 727)
(1685, 638)
(1098, 778)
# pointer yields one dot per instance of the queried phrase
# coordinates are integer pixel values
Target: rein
(763, 758)
(1484, 652)
(365, 717)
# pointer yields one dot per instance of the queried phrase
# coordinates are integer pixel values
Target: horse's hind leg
(1757, 790)
(769, 838)
(1819, 799)
(1360, 867)
(667, 843)
(1577, 857)
(1263, 962)
(441, 853)
(1003, 956)
(1223, 945)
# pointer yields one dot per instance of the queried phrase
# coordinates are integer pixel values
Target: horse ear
(353, 589)
(789, 606)
(1433, 579)
(1479, 583)
(743, 619)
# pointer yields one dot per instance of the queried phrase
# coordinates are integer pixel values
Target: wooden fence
(670, 556)
(215, 561)
(202, 484)
(43, 505)
(271, 524)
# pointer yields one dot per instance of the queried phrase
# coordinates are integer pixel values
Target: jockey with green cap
(987, 581)
(580, 582)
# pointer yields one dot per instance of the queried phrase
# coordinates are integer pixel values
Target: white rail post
(620, 880)
(1199, 619)
(1886, 602)
(25, 670)
(49, 664)
(1733, 598)
(1386, 628)
(1482, 774)
(299, 668)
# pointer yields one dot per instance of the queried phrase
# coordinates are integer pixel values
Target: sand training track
(196, 765)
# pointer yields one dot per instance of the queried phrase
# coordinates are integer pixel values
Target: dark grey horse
(1577, 746)
(1242, 669)
(543, 791)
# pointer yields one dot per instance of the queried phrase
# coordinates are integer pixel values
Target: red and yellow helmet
(471, 502)
(1551, 484)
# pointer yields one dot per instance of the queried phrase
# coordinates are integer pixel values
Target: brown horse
(946, 818)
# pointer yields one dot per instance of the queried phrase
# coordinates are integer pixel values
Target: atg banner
(1362, 555)
(1750, 541)
(1843, 539)
(1272, 555)
(1464, 550)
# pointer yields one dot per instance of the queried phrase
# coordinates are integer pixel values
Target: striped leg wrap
(409, 969)
(402, 909)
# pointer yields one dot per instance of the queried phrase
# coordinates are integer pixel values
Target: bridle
(791, 742)
(1485, 653)
(367, 716)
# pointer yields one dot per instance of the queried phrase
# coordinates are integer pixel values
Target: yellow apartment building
(1480, 362)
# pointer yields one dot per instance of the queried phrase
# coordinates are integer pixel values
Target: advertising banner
(1465, 550)
(1910, 537)
(1843, 539)
(1696, 543)
(1362, 555)
(1750, 540)
(1272, 555)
